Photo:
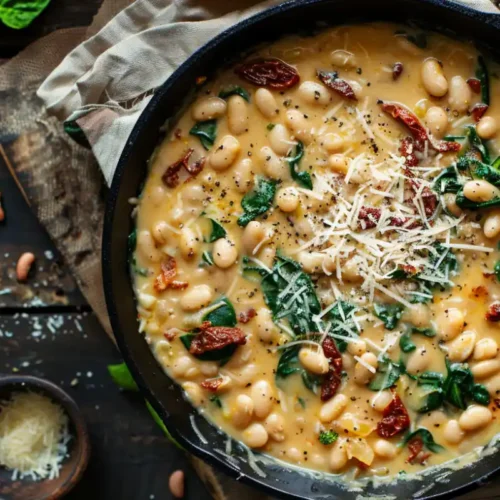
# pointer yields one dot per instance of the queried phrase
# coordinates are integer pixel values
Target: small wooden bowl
(72, 468)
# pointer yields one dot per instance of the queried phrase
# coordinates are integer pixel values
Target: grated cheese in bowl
(33, 436)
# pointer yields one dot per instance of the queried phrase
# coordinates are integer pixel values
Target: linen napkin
(101, 87)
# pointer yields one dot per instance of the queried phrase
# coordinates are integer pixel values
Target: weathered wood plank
(131, 458)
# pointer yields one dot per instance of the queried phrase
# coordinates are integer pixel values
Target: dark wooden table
(48, 330)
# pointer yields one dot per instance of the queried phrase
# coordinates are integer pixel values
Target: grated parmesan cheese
(33, 436)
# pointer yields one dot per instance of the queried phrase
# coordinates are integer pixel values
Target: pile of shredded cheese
(33, 436)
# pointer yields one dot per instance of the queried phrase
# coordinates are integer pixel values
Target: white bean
(242, 413)
(263, 398)
(266, 103)
(343, 58)
(418, 361)
(287, 199)
(237, 115)
(485, 369)
(225, 153)
(298, 124)
(272, 164)
(461, 348)
(351, 270)
(196, 297)
(194, 392)
(332, 143)
(279, 139)
(314, 360)
(460, 94)
(487, 127)
(184, 366)
(253, 234)
(493, 386)
(338, 457)
(255, 436)
(491, 226)
(333, 408)
(193, 193)
(475, 417)
(381, 400)
(450, 202)
(160, 231)
(275, 427)
(157, 195)
(363, 375)
(245, 375)
(146, 247)
(267, 255)
(384, 449)
(452, 432)
(224, 253)
(451, 323)
(357, 347)
(485, 348)
(419, 315)
(437, 121)
(266, 329)
(209, 368)
(480, 190)
(243, 176)
(338, 163)
(433, 78)
(312, 262)
(189, 243)
(208, 108)
(314, 93)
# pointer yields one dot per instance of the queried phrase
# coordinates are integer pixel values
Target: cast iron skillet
(166, 397)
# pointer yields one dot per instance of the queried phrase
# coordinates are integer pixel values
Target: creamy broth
(389, 299)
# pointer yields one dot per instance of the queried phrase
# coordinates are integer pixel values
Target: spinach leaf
(431, 386)
(483, 76)
(257, 201)
(418, 39)
(207, 258)
(224, 315)
(289, 364)
(480, 394)
(270, 126)
(303, 178)
(216, 400)
(406, 344)
(341, 317)
(440, 267)
(205, 131)
(283, 299)
(453, 138)
(476, 144)
(459, 386)
(390, 314)
(234, 90)
(428, 332)
(464, 202)
(447, 181)
(131, 244)
(18, 14)
(426, 438)
(217, 232)
(496, 270)
(250, 269)
(484, 171)
(388, 373)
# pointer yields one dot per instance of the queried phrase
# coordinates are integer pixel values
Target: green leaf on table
(234, 90)
(72, 128)
(258, 201)
(390, 314)
(217, 232)
(483, 76)
(293, 159)
(426, 438)
(159, 422)
(122, 377)
(205, 131)
(19, 14)
(388, 373)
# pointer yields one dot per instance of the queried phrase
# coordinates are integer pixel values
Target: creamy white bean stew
(315, 250)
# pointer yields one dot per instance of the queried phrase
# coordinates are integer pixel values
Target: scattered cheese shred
(33, 436)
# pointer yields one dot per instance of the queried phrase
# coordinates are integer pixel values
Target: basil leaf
(483, 76)
(221, 355)
(234, 90)
(406, 344)
(257, 201)
(303, 178)
(217, 232)
(387, 375)
(426, 438)
(205, 131)
(122, 377)
(224, 315)
(18, 14)
(390, 314)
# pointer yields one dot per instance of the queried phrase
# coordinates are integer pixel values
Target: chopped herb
(418, 39)
(328, 437)
(217, 232)
(234, 90)
(303, 178)
(301, 402)
(483, 77)
(289, 364)
(270, 126)
(257, 201)
(406, 344)
(388, 373)
(496, 269)
(205, 131)
(453, 138)
(341, 317)
(390, 314)
(207, 258)
(428, 332)
(216, 400)
(426, 438)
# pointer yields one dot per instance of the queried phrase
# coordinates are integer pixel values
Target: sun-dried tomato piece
(168, 271)
(271, 73)
(195, 168)
(178, 285)
(408, 149)
(171, 176)
(213, 338)
(418, 131)
(395, 419)
(333, 379)
(430, 201)
(170, 334)
(478, 111)
(245, 316)
(416, 445)
(397, 69)
(475, 85)
(493, 313)
(479, 291)
(369, 217)
(212, 384)
(331, 80)
(403, 221)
